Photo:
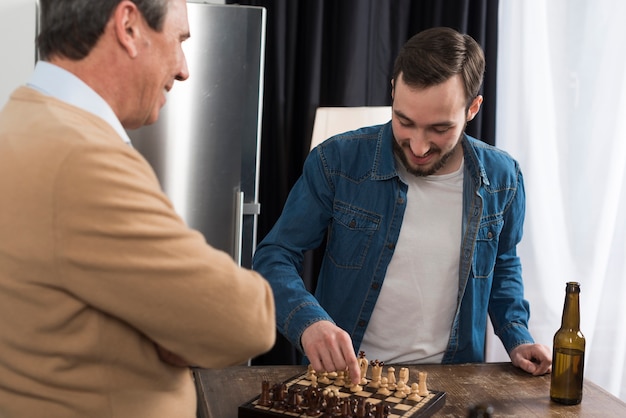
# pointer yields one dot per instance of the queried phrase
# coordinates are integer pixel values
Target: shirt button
(391, 245)
(361, 323)
(401, 201)
(375, 286)
(352, 223)
(489, 235)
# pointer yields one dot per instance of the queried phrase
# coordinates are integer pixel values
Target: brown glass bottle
(568, 352)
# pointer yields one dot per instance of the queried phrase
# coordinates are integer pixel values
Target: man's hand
(532, 358)
(329, 348)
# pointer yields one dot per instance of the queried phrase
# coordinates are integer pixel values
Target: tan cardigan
(96, 268)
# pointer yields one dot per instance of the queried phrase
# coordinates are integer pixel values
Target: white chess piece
(391, 378)
(383, 389)
(400, 387)
(414, 396)
(423, 390)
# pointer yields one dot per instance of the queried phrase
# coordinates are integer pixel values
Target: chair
(330, 121)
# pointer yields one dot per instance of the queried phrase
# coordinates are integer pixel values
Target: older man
(106, 296)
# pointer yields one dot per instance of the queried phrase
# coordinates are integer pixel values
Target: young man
(422, 223)
(106, 296)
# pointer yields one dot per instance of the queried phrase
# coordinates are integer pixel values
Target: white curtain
(561, 112)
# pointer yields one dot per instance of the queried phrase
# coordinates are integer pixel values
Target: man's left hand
(535, 359)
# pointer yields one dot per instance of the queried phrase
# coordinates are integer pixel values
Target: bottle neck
(571, 310)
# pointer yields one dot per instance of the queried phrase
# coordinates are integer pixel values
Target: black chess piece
(279, 397)
(265, 399)
(293, 400)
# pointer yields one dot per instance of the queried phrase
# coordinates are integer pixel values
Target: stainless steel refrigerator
(205, 146)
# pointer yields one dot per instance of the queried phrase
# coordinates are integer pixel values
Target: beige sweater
(96, 268)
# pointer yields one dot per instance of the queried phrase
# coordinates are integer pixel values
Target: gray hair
(71, 28)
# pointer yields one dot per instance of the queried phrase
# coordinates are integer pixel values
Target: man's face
(164, 61)
(428, 124)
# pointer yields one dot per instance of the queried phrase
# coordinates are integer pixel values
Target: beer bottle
(568, 352)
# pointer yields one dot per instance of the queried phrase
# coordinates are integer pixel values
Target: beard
(436, 166)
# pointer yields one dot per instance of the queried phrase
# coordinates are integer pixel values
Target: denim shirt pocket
(350, 235)
(487, 248)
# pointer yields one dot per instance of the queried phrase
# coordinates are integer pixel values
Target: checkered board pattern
(399, 408)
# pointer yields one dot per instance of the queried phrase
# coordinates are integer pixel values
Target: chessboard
(303, 396)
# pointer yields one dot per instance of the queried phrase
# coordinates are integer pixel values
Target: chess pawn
(400, 387)
(391, 378)
(423, 390)
(348, 383)
(309, 372)
(414, 396)
(341, 378)
(313, 380)
(356, 388)
(384, 387)
(324, 378)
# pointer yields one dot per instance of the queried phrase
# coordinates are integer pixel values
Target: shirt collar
(54, 81)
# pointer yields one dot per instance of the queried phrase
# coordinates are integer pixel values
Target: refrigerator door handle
(239, 212)
(242, 209)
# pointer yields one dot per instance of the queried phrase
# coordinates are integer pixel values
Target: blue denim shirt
(351, 190)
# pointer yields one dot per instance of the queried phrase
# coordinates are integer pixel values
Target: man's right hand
(329, 348)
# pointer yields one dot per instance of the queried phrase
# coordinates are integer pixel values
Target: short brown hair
(434, 55)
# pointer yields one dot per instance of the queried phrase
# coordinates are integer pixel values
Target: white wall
(18, 20)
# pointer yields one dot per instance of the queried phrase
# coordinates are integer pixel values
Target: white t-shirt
(413, 315)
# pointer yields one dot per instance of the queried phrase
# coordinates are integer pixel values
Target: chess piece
(264, 399)
(324, 378)
(309, 372)
(423, 390)
(363, 364)
(360, 408)
(314, 402)
(377, 370)
(391, 378)
(332, 406)
(356, 388)
(382, 410)
(400, 390)
(313, 380)
(293, 400)
(384, 387)
(403, 375)
(341, 378)
(414, 396)
(279, 395)
(348, 383)
(346, 408)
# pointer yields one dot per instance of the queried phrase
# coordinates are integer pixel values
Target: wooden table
(510, 391)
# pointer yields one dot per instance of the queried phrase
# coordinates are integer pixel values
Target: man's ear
(474, 107)
(126, 23)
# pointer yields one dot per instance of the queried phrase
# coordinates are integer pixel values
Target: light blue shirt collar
(54, 81)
